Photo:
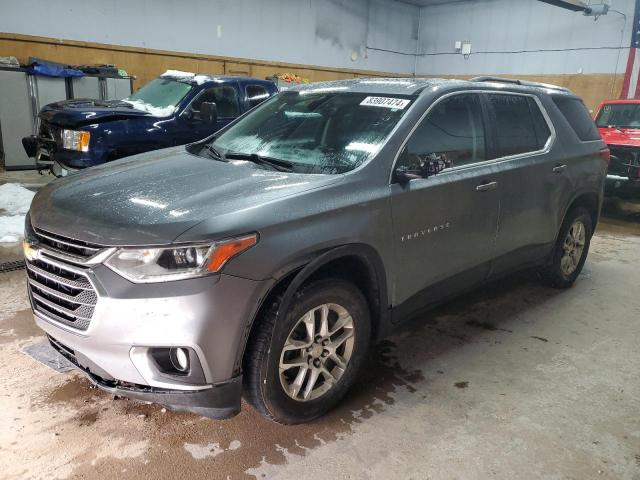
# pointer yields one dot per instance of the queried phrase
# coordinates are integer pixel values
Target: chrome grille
(65, 245)
(59, 290)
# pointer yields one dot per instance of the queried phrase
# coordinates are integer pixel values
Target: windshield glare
(160, 96)
(321, 132)
(619, 115)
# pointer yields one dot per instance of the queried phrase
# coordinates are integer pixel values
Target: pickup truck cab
(173, 109)
(618, 122)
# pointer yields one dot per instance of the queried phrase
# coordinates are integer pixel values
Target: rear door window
(520, 125)
(256, 94)
(578, 117)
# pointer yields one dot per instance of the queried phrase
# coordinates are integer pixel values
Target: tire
(265, 382)
(559, 274)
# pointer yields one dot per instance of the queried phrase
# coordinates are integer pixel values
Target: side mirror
(423, 166)
(187, 114)
(403, 175)
(209, 112)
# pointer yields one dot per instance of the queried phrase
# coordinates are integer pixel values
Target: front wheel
(300, 364)
(570, 251)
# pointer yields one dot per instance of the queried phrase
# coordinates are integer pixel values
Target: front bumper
(49, 156)
(209, 315)
(219, 401)
(617, 185)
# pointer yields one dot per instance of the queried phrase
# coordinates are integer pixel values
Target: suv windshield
(624, 115)
(314, 131)
(159, 97)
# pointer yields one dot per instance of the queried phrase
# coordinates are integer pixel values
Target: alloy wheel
(573, 247)
(317, 351)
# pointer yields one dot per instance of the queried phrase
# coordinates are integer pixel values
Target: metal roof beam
(573, 5)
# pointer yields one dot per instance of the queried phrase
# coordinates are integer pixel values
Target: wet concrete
(515, 380)
(19, 326)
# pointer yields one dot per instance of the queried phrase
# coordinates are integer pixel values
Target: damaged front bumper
(48, 158)
(218, 401)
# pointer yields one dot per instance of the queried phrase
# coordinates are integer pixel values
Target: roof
(413, 86)
(200, 78)
(394, 86)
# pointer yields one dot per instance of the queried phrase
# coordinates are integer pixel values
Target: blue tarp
(53, 70)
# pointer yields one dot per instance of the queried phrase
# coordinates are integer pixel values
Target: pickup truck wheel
(300, 364)
(571, 249)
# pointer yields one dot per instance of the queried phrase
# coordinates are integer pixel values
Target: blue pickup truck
(173, 109)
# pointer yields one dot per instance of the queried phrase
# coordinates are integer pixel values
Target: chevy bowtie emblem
(30, 253)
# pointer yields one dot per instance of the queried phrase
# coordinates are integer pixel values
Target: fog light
(180, 359)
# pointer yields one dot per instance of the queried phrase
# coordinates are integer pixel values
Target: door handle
(485, 187)
(559, 168)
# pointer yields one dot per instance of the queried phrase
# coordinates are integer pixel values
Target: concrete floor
(513, 381)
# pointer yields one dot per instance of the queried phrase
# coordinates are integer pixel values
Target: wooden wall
(147, 64)
(592, 88)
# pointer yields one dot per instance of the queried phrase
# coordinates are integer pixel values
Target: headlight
(147, 265)
(75, 140)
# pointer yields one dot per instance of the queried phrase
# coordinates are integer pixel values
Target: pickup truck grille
(625, 162)
(59, 290)
(49, 133)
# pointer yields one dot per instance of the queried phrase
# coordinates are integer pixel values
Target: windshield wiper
(275, 163)
(212, 150)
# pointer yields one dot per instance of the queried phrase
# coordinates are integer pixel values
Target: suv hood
(150, 199)
(73, 113)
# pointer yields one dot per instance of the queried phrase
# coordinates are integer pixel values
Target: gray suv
(264, 261)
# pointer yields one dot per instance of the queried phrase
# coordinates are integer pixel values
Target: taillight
(605, 154)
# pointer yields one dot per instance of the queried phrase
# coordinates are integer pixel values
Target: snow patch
(153, 110)
(178, 74)
(235, 444)
(190, 76)
(11, 229)
(15, 201)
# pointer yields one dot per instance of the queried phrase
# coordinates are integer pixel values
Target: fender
(580, 193)
(381, 320)
(365, 252)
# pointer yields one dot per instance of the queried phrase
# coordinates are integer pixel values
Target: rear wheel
(571, 249)
(300, 364)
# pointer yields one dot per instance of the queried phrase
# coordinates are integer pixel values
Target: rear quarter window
(520, 125)
(576, 113)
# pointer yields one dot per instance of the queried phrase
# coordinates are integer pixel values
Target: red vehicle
(619, 124)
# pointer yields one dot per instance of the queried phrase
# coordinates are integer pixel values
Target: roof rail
(525, 83)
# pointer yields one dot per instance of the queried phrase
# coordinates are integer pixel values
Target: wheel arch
(591, 201)
(359, 263)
